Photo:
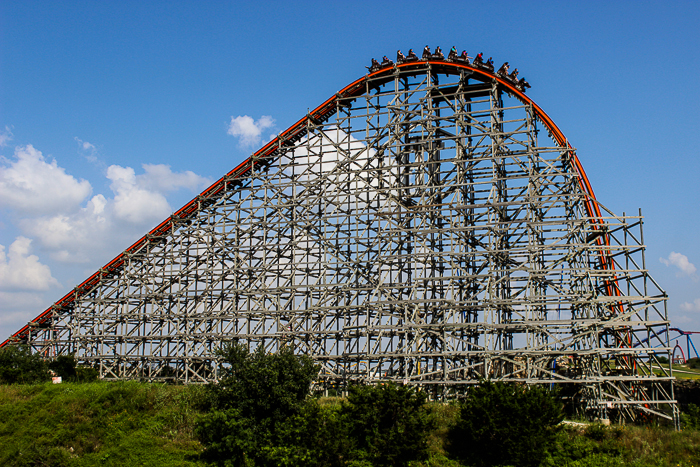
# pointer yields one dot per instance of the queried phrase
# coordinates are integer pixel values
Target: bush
(316, 436)
(252, 404)
(64, 366)
(690, 418)
(693, 363)
(505, 424)
(19, 365)
(387, 424)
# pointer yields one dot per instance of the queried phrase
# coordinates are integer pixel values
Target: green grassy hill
(133, 424)
(101, 423)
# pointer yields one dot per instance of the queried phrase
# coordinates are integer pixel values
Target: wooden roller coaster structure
(411, 228)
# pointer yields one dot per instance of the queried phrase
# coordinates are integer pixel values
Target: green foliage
(505, 424)
(693, 363)
(130, 423)
(64, 366)
(86, 374)
(253, 404)
(263, 386)
(638, 446)
(19, 365)
(316, 436)
(690, 417)
(103, 423)
(387, 424)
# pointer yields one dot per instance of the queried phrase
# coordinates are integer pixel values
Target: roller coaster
(419, 227)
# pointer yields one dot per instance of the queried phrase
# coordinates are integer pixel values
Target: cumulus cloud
(135, 203)
(694, 306)
(5, 136)
(17, 309)
(21, 271)
(248, 130)
(88, 149)
(33, 185)
(82, 237)
(685, 267)
(59, 214)
(105, 225)
(161, 178)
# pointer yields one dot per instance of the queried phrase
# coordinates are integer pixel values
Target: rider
(385, 60)
(400, 56)
(479, 58)
(412, 54)
(438, 52)
(453, 53)
(464, 56)
(426, 53)
(514, 75)
(504, 69)
(489, 62)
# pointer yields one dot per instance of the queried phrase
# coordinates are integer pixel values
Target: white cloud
(85, 236)
(134, 203)
(5, 136)
(161, 178)
(104, 226)
(18, 308)
(21, 271)
(680, 261)
(682, 320)
(88, 149)
(58, 213)
(248, 130)
(687, 306)
(32, 185)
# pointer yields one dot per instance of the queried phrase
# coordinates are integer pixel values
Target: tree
(255, 398)
(505, 424)
(387, 424)
(64, 366)
(19, 365)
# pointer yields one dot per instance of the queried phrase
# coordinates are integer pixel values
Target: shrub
(64, 366)
(693, 363)
(316, 436)
(691, 417)
(252, 404)
(387, 424)
(505, 424)
(19, 365)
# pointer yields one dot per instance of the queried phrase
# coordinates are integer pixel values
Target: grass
(686, 372)
(110, 424)
(130, 423)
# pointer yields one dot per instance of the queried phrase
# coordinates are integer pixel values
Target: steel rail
(297, 131)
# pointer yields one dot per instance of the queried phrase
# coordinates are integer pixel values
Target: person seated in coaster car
(489, 64)
(438, 54)
(479, 59)
(386, 61)
(522, 84)
(374, 66)
(503, 71)
(514, 76)
(411, 55)
(453, 54)
(464, 57)
(426, 53)
(400, 57)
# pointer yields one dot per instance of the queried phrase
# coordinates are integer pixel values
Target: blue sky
(111, 105)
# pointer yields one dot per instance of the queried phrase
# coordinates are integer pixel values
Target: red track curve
(296, 132)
